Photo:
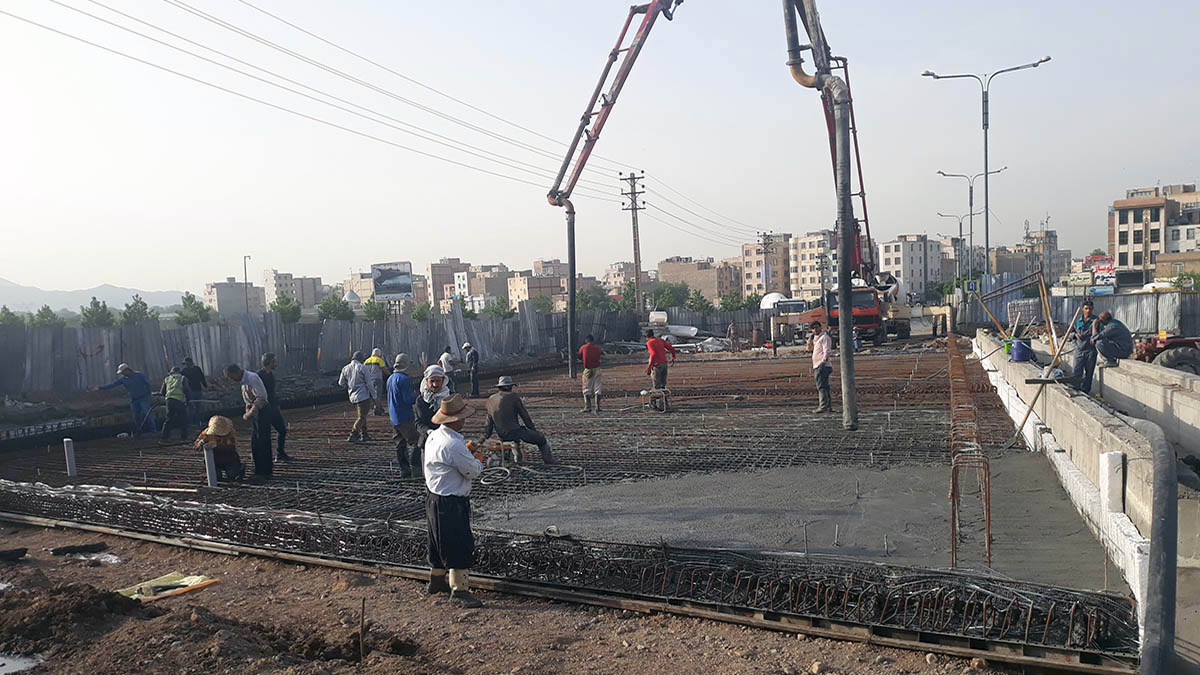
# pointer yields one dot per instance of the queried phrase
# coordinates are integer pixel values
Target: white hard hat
(466, 345)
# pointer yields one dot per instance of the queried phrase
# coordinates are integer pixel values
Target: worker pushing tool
(505, 415)
(657, 367)
(138, 387)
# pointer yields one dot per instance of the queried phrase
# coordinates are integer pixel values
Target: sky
(117, 172)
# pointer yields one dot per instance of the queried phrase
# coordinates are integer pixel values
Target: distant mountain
(29, 298)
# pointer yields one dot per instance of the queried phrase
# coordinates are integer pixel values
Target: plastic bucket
(1022, 350)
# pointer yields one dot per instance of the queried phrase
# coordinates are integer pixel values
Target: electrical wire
(749, 231)
(275, 106)
(687, 232)
(729, 238)
(693, 201)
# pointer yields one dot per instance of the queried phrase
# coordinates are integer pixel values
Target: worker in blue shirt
(401, 395)
(1085, 351)
(1113, 340)
(138, 387)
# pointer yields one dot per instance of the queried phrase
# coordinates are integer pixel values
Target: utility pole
(767, 249)
(246, 282)
(1146, 246)
(633, 209)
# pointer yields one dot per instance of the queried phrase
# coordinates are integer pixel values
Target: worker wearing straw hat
(449, 469)
(220, 437)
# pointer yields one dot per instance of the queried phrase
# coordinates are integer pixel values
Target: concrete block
(1112, 482)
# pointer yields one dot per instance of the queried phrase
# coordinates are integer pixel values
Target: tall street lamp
(971, 205)
(970, 259)
(985, 83)
(246, 282)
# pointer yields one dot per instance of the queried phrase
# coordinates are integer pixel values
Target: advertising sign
(1100, 290)
(392, 281)
(1095, 261)
(1079, 279)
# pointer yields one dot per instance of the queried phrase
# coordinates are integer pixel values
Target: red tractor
(1170, 351)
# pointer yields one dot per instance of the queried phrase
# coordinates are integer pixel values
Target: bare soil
(266, 616)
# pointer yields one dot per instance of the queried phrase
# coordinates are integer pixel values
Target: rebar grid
(929, 601)
(966, 453)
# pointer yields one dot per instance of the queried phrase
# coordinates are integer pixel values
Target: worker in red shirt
(658, 349)
(590, 354)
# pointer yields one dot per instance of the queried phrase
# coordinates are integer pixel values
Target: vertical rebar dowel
(885, 545)
(362, 631)
(835, 535)
(857, 493)
(806, 538)
(69, 452)
(210, 466)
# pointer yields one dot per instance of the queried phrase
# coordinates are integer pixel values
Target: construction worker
(401, 399)
(449, 468)
(472, 358)
(138, 388)
(354, 379)
(1085, 351)
(272, 415)
(447, 362)
(254, 395)
(375, 368)
(195, 388)
(658, 348)
(433, 391)
(1112, 339)
(731, 333)
(820, 345)
(220, 437)
(590, 354)
(505, 414)
(174, 389)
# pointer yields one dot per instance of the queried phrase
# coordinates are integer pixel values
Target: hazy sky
(116, 172)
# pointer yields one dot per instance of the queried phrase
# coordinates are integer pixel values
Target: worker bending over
(138, 388)
(658, 348)
(220, 438)
(254, 395)
(820, 345)
(505, 413)
(449, 469)
(1112, 339)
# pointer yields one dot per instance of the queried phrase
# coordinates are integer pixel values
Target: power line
(693, 201)
(474, 150)
(700, 215)
(417, 82)
(689, 223)
(275, 106)
(687, 232)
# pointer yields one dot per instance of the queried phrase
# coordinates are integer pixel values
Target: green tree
(593, 298)
(373, 311)
(422, 312)
(287, 308)
(335, 308)
(469, 313)
(498, 309)
(628, 301)
(752, 302)
(192, 311)
(96, 315)
(1098, 252)
(731, 301)
(137, 312)
(665, 294)
(542, 304)
(46, 317)
(1189, 280)
(10, 318)
(698, 303)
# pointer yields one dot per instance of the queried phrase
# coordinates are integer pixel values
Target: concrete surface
(1037, 536)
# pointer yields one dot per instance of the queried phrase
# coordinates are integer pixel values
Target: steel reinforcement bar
(968, 612)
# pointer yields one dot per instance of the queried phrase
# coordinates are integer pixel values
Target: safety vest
(175, 387)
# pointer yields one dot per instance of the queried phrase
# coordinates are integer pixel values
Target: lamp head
(1041, 61)
(929, 73)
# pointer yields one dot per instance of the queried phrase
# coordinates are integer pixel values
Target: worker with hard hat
(138, 387)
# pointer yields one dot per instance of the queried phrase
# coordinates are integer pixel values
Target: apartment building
(915, 260)
(1153, 221)
(765, 267)
(550, 268)
(440, 273)
(616, 274)
(712, 278)
(493, 283)
(231, 296)
(813, 263)
(362, 284)
(527, 288)
(307, 291)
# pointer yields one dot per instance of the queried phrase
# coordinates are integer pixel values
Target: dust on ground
(270, 616)
(1036, 533)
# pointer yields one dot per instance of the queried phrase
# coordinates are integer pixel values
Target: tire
(1186, 359)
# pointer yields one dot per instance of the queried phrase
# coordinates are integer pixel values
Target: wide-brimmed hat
(219, 426)
(122, 368)
(453, 409)
(504, 381)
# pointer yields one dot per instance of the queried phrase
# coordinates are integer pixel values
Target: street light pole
(971, 210)
(246, 282)
(985, 83)
(960, 239)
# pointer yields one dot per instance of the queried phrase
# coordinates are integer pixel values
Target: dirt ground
(266, 616)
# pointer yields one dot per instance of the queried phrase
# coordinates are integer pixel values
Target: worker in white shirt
(820, 345)
(354, 379)
(254, 395)
(449, 469)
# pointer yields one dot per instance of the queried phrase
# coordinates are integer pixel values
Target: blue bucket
(1022, 350)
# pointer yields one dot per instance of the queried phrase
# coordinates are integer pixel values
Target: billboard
(1100, 290)
(392, 281)
(1079, 279)
(1095, 261)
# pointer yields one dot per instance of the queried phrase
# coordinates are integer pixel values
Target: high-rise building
(230, 297)
(812, 259)
(307, 291)
(765, 267)
(1150, 221)
(528, 288)
(440, 273)
(713, 279)
(915, 260)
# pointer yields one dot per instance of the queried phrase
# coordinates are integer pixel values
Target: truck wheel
(1186, 359)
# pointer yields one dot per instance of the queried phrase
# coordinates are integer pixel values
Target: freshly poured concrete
(1036, 533)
